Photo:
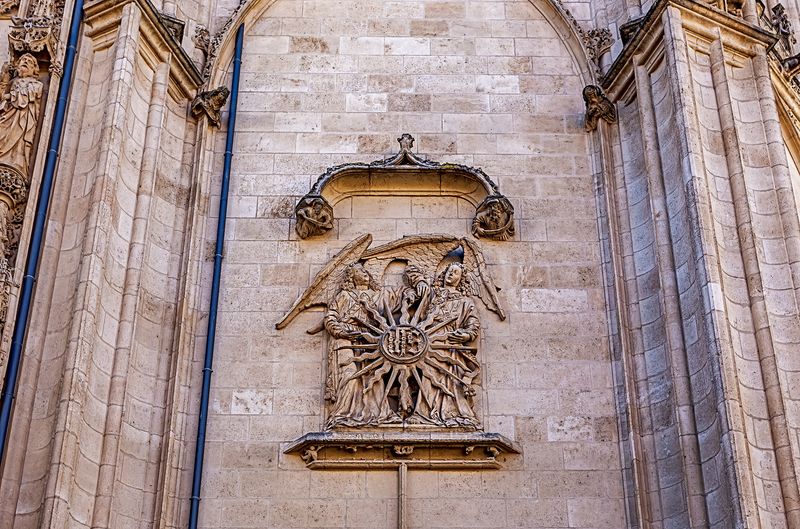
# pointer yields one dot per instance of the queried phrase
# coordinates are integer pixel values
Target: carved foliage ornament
(33, 34)
(405, 354)
(7, 6)
(494, 216)
(597, 42)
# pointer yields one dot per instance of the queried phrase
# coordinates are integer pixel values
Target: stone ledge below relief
(388, 450)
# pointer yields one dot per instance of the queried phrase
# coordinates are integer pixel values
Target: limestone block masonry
(499, 264)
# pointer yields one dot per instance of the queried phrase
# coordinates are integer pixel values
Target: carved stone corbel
(210, 103)
(494, 219)
(597, 107)
(314, 216)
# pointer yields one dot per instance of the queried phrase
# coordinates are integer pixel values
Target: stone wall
(487, 84)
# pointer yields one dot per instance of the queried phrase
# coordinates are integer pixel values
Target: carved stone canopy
(314, 212)
(33, 35)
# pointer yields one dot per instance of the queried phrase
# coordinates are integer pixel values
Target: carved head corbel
(494, 219)
(598, 107)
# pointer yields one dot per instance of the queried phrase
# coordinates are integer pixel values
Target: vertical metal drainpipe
(197, 476)
(37, 235)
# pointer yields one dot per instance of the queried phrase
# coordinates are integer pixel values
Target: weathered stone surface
(647, 269)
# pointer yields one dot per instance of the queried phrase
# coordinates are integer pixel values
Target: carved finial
(597, 107)
(210, 103)
(406, 142)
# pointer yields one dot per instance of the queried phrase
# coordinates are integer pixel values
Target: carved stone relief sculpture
(403, 355)
(314, 216)
(783, 26)
(210, 103)
(494, 215)
(597, 107)
(494, 219)
(19, 112)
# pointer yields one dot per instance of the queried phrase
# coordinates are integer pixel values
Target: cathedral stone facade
(414, 264)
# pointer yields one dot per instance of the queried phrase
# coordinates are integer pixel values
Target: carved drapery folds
(19, 111)
(210, 104)
(494, 215)
(597, 107)
(20, 107)
(402, 355)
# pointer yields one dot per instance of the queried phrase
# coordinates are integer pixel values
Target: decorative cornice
(104, 15)
(708, 18)
(434, 450)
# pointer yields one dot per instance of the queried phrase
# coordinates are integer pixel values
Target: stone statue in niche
(314, 217)
(494, 219)
(210, 103)
(402, 355)
(597, 107)
(19, 111)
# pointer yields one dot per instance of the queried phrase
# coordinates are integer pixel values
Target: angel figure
(19, 111)
(346, 322)
(402, 356)
(454, 315)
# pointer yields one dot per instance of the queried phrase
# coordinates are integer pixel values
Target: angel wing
(328, 280)
(424, 251)
(479, 277)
